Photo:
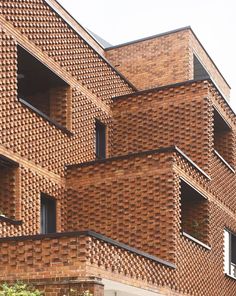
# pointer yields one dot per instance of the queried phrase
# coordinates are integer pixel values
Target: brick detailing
(119, 189)
(166, 59)
(154, 62)
(46, 258)
(135, 199)
(60, 106)
(42, 26)
(9, 194)
(27, 134)
(173, 116)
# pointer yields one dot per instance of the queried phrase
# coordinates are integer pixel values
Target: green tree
(19, 289)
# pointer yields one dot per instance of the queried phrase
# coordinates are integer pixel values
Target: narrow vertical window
(48, 214)
(100, 140)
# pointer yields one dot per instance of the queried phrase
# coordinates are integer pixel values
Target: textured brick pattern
(173, 116)
(128, 200)
(165, 59)
(154, 62)
(41, 25)
(133, 199)
(21, 127)
(37, 256)
(9, 196)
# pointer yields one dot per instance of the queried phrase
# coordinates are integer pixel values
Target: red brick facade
(149, 218)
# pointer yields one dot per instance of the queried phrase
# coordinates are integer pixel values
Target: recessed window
(194, 213)
(199, 71)
(42, 89)
(100, 140)
(48, 214)
(9, 188)
(229, 253)
(223, 138)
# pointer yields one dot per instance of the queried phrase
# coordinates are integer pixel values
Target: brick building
(117, 164)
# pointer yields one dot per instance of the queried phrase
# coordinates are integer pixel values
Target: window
(223, 138)
(48, 214)
(100, 140)
(9, 188)
(42, 90)
(199, 71)
(229, 253)
(194, 213)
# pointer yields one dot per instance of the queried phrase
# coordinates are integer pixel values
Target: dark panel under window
(48, 214)
(100, 140)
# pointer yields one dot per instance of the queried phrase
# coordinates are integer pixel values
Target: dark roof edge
(148, 38)
(143, 153)
(169, 33)
(207, 78)
(163, 87)
(87, 42)
(93, 235)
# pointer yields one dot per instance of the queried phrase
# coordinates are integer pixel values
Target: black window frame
(100, 135)
(26, 101)
(48, 214)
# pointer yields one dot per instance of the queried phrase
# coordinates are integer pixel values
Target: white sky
(118, 21)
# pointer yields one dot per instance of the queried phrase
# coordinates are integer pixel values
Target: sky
(119, 21)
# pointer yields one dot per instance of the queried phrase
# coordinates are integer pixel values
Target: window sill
(193, 239)
(224, 161)
(9, 220)
(44, 116)
(230, 276)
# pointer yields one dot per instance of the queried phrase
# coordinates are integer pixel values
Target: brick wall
(154, 62)
(114, 200)
(164, 59)
(164, 117)
(48, 31)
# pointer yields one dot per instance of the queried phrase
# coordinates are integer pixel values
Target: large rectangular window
(48, 214)
(42, 90)
(229, 253)
(223, 138)
(100, 140)
(194, 213)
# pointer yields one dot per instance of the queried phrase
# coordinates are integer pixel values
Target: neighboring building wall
(160, 118)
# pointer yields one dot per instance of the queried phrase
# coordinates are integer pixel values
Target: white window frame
(229, 267)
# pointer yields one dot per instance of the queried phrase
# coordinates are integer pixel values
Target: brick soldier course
(116, 164)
